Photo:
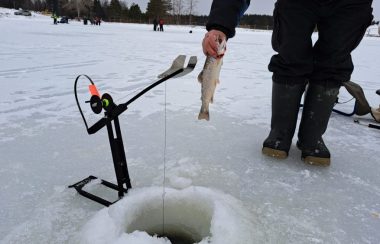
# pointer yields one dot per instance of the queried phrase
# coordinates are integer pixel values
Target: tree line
(173, 11)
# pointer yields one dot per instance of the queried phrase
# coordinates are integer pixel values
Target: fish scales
(209, 78)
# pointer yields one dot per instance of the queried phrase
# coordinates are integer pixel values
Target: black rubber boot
(285, 106)
(319, 102)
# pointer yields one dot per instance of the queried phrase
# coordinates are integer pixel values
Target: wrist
(219, 28)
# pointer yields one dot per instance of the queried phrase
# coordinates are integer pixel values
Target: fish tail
(204, 114)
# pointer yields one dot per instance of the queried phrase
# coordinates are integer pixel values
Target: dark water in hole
(176, 234)
(179, 239)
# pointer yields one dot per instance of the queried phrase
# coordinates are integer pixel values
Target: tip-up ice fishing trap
(111, 121)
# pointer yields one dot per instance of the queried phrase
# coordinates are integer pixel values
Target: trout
(209, 78)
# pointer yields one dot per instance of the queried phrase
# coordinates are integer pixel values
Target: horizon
(259, 7)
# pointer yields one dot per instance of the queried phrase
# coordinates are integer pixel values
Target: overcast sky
(257, 6)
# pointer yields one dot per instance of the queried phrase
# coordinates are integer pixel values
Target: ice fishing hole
(192, 215)
(186, 221)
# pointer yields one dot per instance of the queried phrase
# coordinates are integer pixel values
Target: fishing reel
(98, 103)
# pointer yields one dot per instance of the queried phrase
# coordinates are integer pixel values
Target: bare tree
(183, 7)
(191, 6)
(79, 6)
(178, 8)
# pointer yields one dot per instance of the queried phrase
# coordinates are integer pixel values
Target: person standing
(324, 66)
(55, 19)
(155, 23)
(161, 22)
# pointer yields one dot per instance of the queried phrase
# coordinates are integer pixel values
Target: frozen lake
(44, 146)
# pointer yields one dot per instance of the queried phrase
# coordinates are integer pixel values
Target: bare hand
(209, 43)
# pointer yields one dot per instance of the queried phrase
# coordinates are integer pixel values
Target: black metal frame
(111, 121)
(120, 165)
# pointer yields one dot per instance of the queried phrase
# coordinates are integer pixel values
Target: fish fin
(212, 99)
(204, 115)
(200, 77)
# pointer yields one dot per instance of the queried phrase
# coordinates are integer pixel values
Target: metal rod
(152, 86)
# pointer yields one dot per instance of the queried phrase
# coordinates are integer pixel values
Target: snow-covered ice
(44, 146)
(205, 215)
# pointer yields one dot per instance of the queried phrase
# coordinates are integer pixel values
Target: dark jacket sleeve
(225, 15)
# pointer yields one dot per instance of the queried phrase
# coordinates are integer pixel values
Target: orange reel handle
(93, 90)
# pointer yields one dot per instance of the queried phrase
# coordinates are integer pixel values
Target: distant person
(161, 22)
(55, 18)
(155, 24)
(97, 21)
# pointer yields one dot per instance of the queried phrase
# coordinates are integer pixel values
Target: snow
(216, 166)
(373, 30)
(211, 217)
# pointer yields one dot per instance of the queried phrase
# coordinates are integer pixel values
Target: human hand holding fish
(210, 42)
(209, 76)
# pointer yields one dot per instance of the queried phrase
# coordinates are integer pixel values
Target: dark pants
(341, 25)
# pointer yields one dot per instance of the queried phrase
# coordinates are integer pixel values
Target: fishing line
(134, 91)
(163, 184)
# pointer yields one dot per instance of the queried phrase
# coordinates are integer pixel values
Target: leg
(285, 105)
(294, 24)
(339, 34)
(319, 102)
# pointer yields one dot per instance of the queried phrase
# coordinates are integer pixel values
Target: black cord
(344, 113)
(76, 97)
(341, 112)
(345, 101)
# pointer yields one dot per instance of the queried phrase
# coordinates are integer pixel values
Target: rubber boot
(285, 106)
(319, 102)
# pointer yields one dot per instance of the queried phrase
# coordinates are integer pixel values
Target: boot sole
(317, 161)
(274, 153)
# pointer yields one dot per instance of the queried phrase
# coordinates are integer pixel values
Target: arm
(225, 15)
(223, 19)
